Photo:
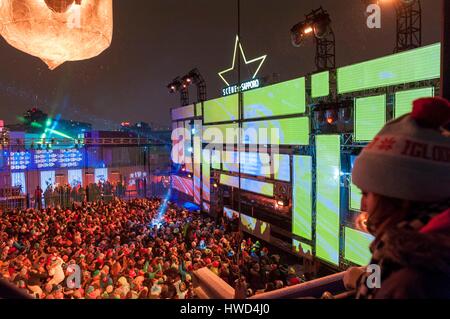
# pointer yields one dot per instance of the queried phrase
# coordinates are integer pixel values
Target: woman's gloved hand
(352, 277)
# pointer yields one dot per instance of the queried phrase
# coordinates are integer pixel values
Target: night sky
(155, 41)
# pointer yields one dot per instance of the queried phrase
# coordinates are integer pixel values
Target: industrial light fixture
(194, 77)
(177, 85)
(317, 24)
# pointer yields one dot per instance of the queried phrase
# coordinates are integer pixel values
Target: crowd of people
(129, 249)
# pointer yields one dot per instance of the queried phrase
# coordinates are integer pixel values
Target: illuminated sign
(251, 84)
(248, 85)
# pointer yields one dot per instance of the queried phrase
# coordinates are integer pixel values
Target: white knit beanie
(410, 158)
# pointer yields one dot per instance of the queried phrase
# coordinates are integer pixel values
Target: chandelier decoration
(57, 31)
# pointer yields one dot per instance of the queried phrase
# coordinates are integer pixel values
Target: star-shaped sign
(238, 46)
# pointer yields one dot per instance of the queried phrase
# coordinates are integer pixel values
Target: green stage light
(405, 99)
(356, 246)
(302, 197)
(320, 85)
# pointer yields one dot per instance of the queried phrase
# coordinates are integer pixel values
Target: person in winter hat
(404, 174)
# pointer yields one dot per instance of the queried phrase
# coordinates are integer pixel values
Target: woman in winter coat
(404, 175)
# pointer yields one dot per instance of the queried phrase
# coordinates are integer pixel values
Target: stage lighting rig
(195, 77)
(177, 85)
(317, 24)
(409, 23)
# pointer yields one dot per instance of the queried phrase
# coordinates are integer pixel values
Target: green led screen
(302, 197)
(320, 84)
(206, 175)
(197, 162)
(328, 152)
(355, 197)
(370, 117)
(224, 109)
(228, 180)
(257, 187)
(221, 134)
(292, 131)
(297, 245)
(281, 99)
(356, 247)
(216, 162)
(410, 66)
(198, 109)
(404, 100)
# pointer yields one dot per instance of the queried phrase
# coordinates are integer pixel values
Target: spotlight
(331, 116)
(215, 185)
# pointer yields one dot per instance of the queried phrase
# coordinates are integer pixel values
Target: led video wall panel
(18, 180)
(320, 84)
(281, 167)
(328, 150)
(228, 180)
(292, 131)
(224, 109)
(230, 213)
(183, 185)
(182, 113)
(302, 197)
(301, 248)
(48, 178)
(355, 192)
(257, 187)
(20, 161)
(357, 245)
(75, 177)
(206, 172)
(197, 161)
(370, 117)
(198, 109)
(404, 100)
(101, 175)
(255, 227)
(188, 149)
(230, 161)
(216, 162)
(281, 99)
(221, 134)
(409, 66)
(256, 164)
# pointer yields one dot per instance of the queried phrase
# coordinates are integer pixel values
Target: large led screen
(281, 99)
(230, 161)
(255, 227)
(18, 180)
(328, 170)
(182, 113)
(20, 161)
(206, 172)
(221, 134)
(257, 187)
(409, 66)
(291, 131)
(355, 192)
(320, 84)
(228, 180)
(48, 179)
(224, 109)
(216, 162)
(356, 247)
(197, 162)
(230, 213)
(370, 117)
(281, 167)
(302, 197)
(101, 175)
(183, 185)
(404, 100)
(301, 248)
(75, 177)
(256, 164)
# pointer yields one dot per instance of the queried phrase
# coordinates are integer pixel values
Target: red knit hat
(410, 158)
